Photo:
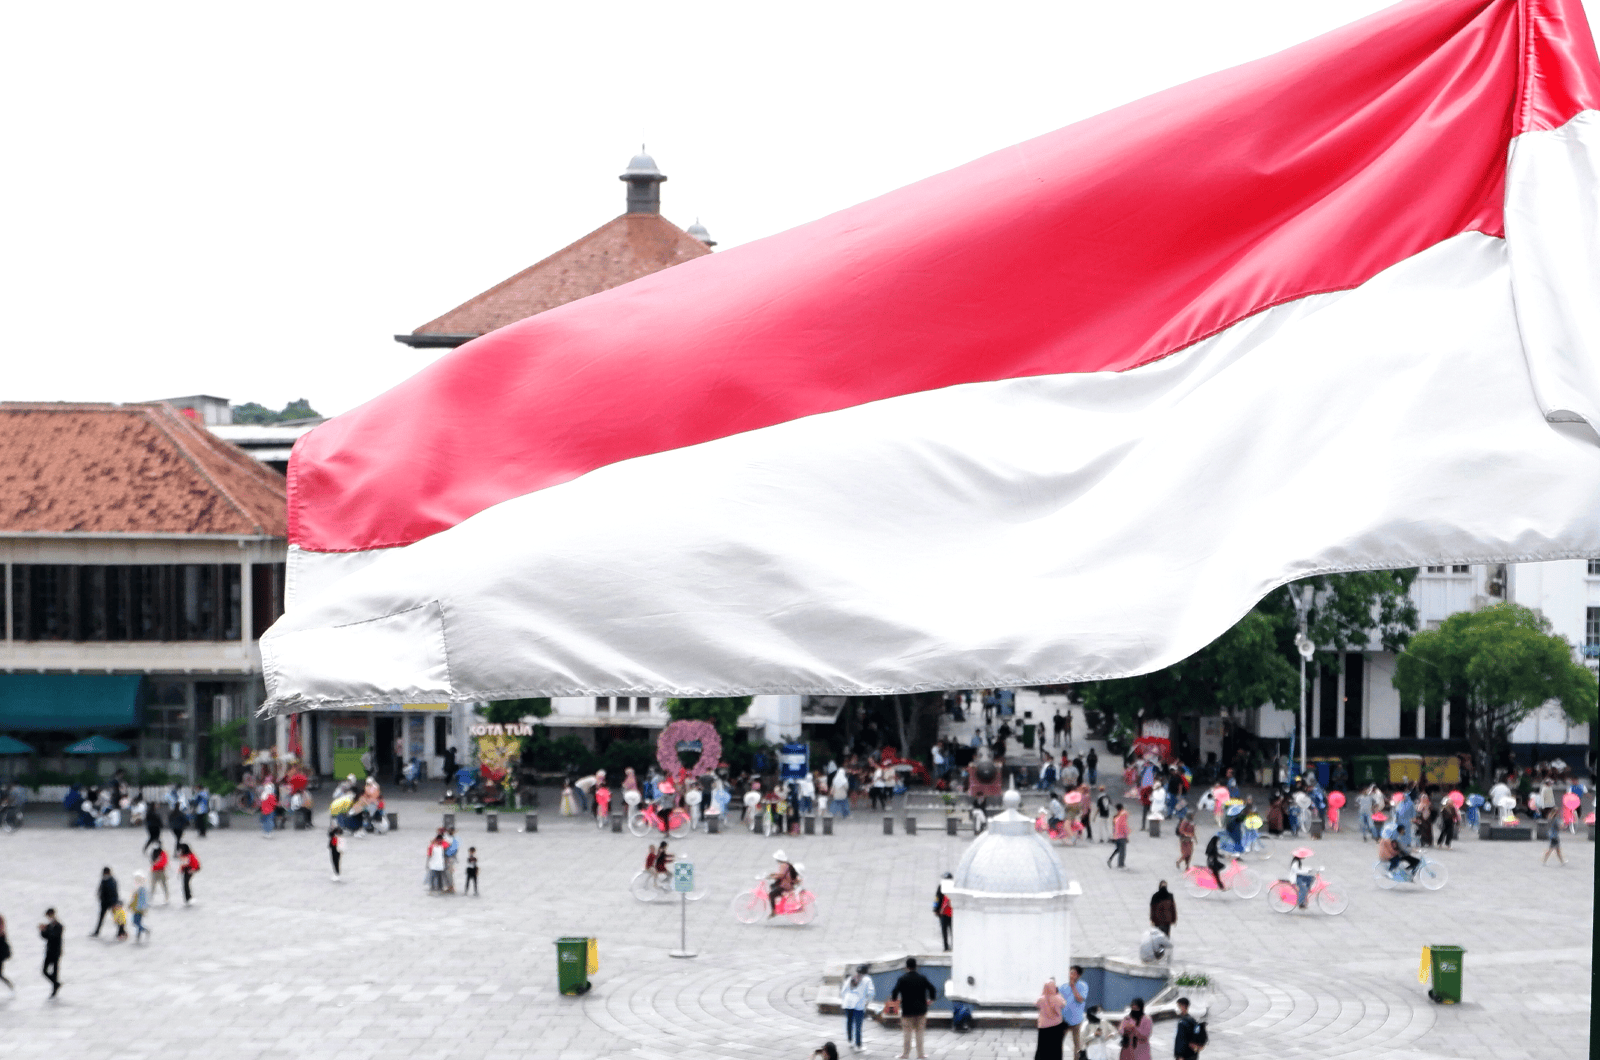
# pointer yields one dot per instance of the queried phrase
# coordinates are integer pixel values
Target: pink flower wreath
(688, 731)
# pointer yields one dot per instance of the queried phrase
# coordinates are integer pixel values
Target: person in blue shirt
(1076, 996)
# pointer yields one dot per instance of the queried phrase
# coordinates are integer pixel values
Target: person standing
(51, 932)
(1163, 910)
(1136, 1029)
(452, 847)
(449, 771)
(1102, 810)
(1052, 1027)
(436, 864)
(177, 820)
(839, 794)
(913, 991)
(202, 811)
(1119, 836)
(188, 865)
(1073, 1011)
(335, 849)
(1058, 725)
(5, 955)
(1366, 806)
(1449, 818)
(855, 994)
(1093, 762)
(268, 807)
(1190, 1036)
(471, 883)
(107, 893)
(941, 909)
(1185, 831)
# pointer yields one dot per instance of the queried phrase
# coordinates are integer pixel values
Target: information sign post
(683, 883)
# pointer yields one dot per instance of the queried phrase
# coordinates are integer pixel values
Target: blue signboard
(794, 761)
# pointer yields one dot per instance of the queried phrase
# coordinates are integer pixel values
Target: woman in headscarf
(1136, 1029)
(1052, 1027)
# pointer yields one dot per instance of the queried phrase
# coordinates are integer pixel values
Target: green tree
(1502, 663)
(1255, 661)
(510, 711)
(252, 412)
(724, 713)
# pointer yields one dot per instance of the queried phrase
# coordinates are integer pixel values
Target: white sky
(251, 200)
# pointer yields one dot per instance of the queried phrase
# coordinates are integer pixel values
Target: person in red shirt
(188, 864)
(1119, 836)
(158, 874)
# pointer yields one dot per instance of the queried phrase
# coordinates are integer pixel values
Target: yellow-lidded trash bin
(574, 962)
(1444, 965)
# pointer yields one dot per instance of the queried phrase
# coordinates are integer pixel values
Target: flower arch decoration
(688, 732)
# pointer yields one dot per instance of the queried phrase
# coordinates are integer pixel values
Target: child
(472, 873)
(335, 848)
(188, 865)
(158, 873)
(141, 905)
(120, 916)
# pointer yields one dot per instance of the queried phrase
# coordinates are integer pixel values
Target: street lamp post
(1302, 642)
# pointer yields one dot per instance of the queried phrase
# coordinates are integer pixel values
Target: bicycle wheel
(10, 821)
(1247, 884)
(639, 825)
(699, 892)
(677, 824)
(1193, 886)
(1432, 875)
(1332, 899)
(643, 886)
(1381, 876)
(1261, 850)
(808, 909)
(1281, 896)
(749, 907)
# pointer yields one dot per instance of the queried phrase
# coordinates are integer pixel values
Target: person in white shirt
(839, 794)
(855, 994)
(808, 793)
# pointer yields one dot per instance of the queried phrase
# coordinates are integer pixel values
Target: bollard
(810, 825)
(911, 825)
(827, 826)
(1155, 828)
(531, 822)
(714, 824)
(950, 825)
(616, 823)
(394, 822)
(493, 820)
(888, 825)
(449, 820)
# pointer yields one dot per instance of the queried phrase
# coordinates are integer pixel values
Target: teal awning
(43, 702)
(98, 745)
(8, 746)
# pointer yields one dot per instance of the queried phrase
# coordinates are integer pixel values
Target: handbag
(891, 1007)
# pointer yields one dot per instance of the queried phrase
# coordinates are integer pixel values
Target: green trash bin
(572, 965)
(1446, 962)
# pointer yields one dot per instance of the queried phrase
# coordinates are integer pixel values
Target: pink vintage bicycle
(1298, 892)
(675, 824)
(799, 907)
(1237, 877)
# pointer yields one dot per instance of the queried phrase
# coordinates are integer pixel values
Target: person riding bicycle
(659, 862)
(1303, 880)
(1235, 827)
(785, 881)
(1392, 848)
(1214, 860)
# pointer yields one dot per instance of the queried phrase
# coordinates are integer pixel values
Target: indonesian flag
(1064, 413)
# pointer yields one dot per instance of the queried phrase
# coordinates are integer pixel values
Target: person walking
(1554, 829)
(1136, 1029)
(336, 843)
(1366, 806)
(5, 955)
(152, 826)
(1119, 836)
(1058, 725)
(158, 874)
(1185, 832)
(1074, 1011)
(268, 807)
(1093, 762)
(471, 883)
(139, 903)
(839, 793)
(51, 932)
(188, 865)
(107, 893)
(1449, 818)
(855, 994)
(1163, 910)
(913, 991)
(177, 820)
(942, 910)
(202, 811)
(1052, 1027)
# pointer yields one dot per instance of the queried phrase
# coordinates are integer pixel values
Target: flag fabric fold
(1063, 413)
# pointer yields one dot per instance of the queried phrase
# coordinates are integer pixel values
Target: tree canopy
(1255, 661)
(723, 712)
(251, 412)
(1502, 663)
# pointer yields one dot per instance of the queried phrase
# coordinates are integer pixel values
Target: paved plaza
(275, 960)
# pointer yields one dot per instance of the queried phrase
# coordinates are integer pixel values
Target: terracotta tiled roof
(623, 249)
(132, 469)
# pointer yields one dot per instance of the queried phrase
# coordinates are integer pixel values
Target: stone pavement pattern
(276, 961)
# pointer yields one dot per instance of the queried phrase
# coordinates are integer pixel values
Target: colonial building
(140, 558)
